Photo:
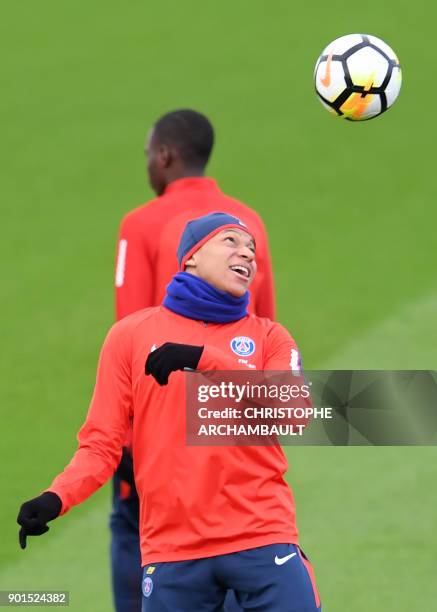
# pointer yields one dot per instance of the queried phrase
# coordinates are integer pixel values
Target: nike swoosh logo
(326, 81)
(282, 560)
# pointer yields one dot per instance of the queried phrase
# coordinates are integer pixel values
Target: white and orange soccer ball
(358, 77)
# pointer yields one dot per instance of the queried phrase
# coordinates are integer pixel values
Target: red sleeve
(134, 288)
(104, 431)
(282, 355)
(281, 352)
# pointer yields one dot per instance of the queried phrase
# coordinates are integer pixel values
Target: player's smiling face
(226, 261)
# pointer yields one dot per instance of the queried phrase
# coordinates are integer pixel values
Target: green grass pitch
(351, 216)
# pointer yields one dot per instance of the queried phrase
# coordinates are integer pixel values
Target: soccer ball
(358, 77)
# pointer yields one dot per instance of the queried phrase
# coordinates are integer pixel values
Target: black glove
(35, 514)
(171, 357)
(126, 467)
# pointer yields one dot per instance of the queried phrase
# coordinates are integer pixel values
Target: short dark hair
(188, 131)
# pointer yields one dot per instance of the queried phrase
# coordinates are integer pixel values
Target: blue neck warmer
(192, 297)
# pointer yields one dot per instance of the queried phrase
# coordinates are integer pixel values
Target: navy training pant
(274, 578)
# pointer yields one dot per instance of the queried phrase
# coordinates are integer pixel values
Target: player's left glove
(36, 513)
(171, 357)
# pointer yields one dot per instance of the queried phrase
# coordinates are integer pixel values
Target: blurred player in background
(178, 150)
(213, 518)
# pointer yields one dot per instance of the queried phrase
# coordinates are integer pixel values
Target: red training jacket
(195, 501)
(148, 239)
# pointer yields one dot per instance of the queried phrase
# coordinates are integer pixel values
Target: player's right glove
(170, 357)
(36, 513)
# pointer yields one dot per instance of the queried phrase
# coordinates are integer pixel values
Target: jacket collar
(191, 182)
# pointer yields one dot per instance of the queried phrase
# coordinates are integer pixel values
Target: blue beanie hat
(198, 231)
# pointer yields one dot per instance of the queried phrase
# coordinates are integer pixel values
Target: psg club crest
(243, 346)
(147, 586)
